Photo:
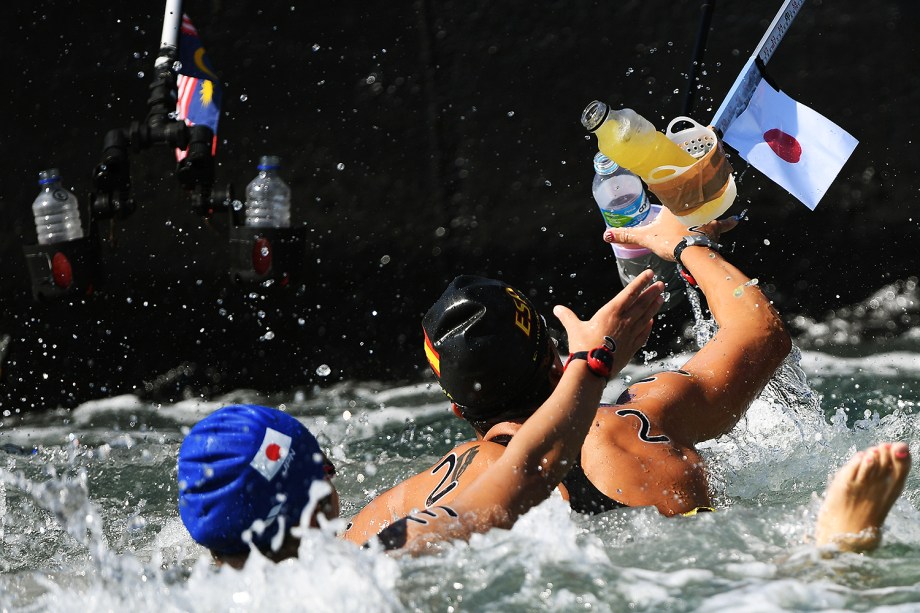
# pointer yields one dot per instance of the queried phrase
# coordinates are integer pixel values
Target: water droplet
(244, 97)
(340, 166)
(140, 74)
(323, 370)
(385, 259)
(315, 48)
(510, 113)
(548, 183)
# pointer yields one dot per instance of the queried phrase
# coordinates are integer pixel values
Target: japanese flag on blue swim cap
(244, 463)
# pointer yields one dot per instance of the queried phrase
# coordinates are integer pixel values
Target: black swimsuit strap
(584, 497)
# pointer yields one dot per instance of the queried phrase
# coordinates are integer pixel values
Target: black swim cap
(488, 347)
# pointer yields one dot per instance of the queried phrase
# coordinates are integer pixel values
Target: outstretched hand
(663, 234)
(628, 319)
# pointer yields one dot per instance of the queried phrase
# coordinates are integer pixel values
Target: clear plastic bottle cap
(48, 176)
(594, 115)
(603, 165)
(269, 162)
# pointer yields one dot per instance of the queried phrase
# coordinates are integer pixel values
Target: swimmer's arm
(728, 373)
(734, 366)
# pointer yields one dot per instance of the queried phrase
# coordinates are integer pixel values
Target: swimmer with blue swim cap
(246, 473)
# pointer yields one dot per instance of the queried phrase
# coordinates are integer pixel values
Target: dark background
(420, 140)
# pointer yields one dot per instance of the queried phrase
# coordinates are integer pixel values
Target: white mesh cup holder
(702, 191)
(696, 140)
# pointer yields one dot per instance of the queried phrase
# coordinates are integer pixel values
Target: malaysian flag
(198, 84)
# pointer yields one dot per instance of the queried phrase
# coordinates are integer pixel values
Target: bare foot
(860, 496)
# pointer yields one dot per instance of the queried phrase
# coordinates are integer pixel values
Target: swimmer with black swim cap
(490, 350)
(640, 451)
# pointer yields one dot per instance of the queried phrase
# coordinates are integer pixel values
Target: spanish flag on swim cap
(434, 358)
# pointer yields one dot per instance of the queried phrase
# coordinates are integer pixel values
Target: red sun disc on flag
(784, 145)
(273, 452)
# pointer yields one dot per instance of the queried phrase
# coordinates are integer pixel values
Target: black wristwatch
(694, 240)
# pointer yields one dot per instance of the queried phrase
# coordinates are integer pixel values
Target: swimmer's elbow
(769, 340)
(778, 343)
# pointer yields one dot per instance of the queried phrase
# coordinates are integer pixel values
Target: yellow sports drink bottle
(631, 140)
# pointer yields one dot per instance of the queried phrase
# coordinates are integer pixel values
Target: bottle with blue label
(619, 194)
(623, 202)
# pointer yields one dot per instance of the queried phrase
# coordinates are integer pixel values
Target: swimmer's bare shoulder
(632, 458)
(437, 485)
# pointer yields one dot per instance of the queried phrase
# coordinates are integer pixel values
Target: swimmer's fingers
(625, 318)
(717, 227)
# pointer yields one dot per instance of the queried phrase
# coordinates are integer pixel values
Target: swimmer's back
(438, 485)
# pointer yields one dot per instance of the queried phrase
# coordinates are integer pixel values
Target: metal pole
(169, 40)
(741, 91)
(698, 52)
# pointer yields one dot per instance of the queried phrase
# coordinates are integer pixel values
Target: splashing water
(88, 516)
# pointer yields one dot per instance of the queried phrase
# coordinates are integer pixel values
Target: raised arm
(721, 381)
(550, 440)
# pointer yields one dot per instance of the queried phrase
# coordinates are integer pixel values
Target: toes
(868, 467)
(901, 461)
(885, 458)
(849, 470)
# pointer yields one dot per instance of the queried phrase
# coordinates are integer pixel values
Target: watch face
(698, 240)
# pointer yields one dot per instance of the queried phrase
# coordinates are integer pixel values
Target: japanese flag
(790, 143)
(271, 454)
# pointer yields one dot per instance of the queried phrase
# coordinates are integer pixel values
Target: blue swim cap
(244, 463)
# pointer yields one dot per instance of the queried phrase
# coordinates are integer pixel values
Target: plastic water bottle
(57, 216)
(623, 203)
(268, 197)
(619, 194)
